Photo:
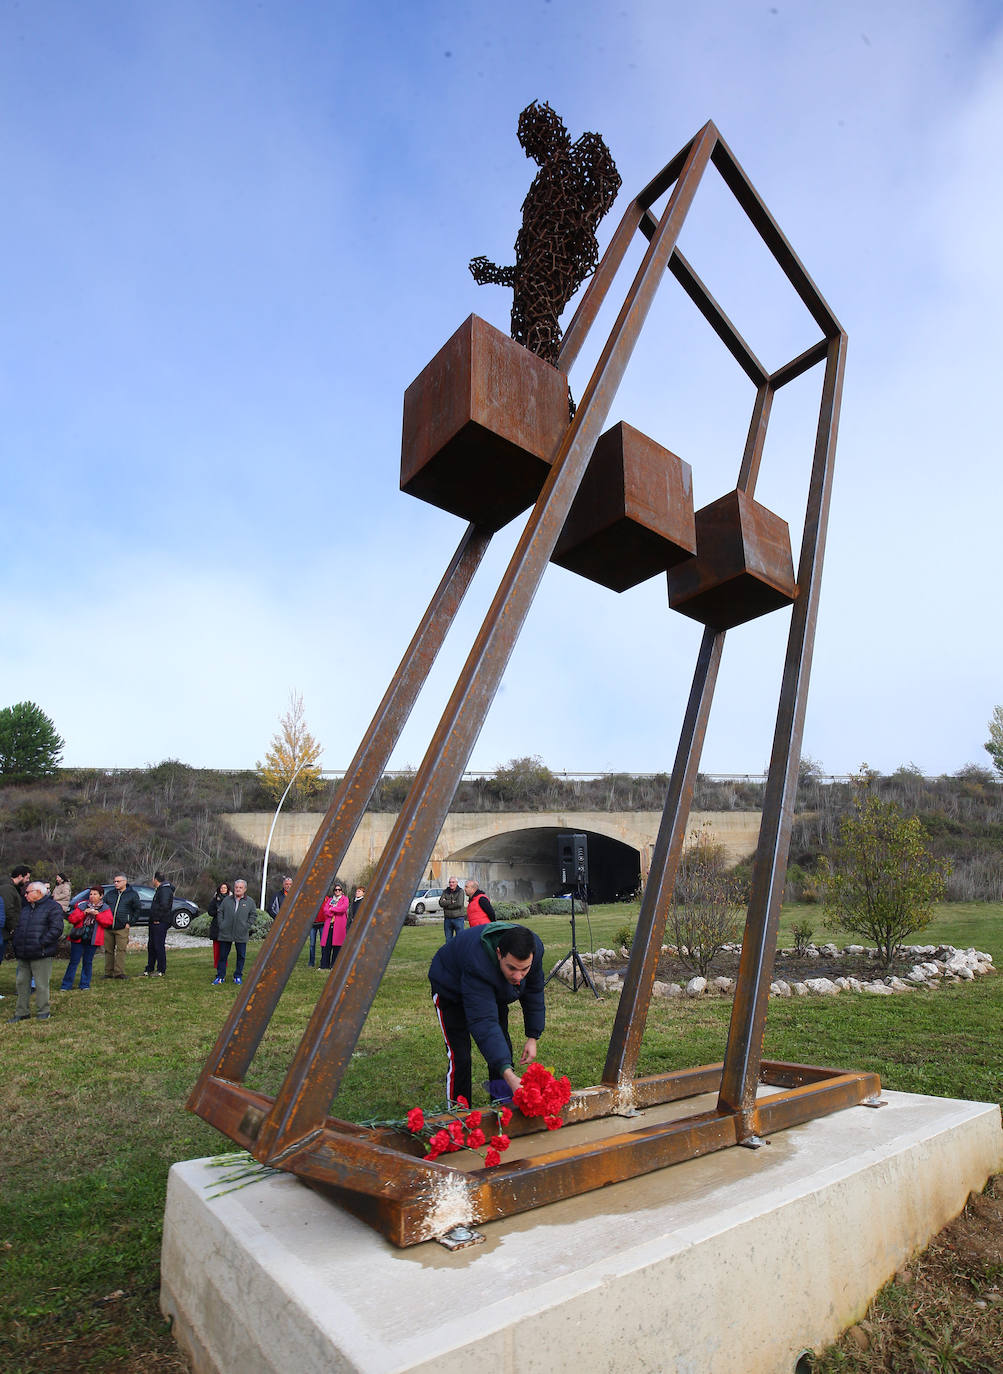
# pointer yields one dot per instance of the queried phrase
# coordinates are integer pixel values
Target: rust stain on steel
(378, 1173)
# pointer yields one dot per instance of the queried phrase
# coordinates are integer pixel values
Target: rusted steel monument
(487, 435)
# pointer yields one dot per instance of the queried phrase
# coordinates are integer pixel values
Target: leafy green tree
(994, 745)
(880, 879)
(30, 745)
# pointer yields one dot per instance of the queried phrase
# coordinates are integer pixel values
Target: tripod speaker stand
(573, 861)
(577, 965)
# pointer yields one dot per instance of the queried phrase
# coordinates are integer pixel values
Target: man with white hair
(451, 900)
(35, 940)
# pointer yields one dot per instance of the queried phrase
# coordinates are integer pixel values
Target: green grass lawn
(93, 1113)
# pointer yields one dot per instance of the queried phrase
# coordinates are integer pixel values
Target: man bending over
(474, 978)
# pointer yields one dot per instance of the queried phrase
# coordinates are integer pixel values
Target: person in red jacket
(90, 919)
(479, 909)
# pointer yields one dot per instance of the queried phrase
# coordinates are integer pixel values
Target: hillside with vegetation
(90, 823)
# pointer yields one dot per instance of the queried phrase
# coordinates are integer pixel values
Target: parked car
(426, 900)
(184, 911)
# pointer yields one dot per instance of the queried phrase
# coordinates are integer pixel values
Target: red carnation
(492, 1158)
(474, 1119)
(553, 1123)
(505, 1115)
(456, 1130)
(500, 1142)
(415, 1119)
(462, 1102)
(440, 1142)
(475, 1139)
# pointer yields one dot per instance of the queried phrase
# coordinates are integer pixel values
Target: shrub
(512, 911)
(881, 880)
(706, 914)
(623, 937)
(802, 932)
(559, 906)
(261, 926)
(200, 926)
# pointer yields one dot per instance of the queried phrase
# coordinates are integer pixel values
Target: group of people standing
(33, 918)
(479, 911)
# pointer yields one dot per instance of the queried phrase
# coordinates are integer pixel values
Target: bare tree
(706, 913)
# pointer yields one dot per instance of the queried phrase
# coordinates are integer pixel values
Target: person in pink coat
(90, 919)
(332, 937)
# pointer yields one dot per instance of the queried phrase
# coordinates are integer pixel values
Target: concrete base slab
(739, 1260)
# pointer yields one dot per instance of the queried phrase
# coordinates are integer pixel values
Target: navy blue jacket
(39, 929)
(162, 906)
(465, 969)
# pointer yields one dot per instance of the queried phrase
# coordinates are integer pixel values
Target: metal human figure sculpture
(556, 248)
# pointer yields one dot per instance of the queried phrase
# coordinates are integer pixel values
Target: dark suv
(184, 911)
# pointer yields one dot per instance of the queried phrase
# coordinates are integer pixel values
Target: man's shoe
(156, 975)
(42, 1016)
(217, 982)
(146, 973)
(237, 979)
(12, 1019)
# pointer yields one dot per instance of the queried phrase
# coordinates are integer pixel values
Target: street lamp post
(271, 831)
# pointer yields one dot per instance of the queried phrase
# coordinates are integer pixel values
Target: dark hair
(520, 942)
(20, 871)
(95, 887)
(158, 877)
(62, 878)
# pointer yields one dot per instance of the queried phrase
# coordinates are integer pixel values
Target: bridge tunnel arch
(522, 865)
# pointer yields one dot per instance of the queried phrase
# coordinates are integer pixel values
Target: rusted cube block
(743, 566)
(633, 515)
(481, 425)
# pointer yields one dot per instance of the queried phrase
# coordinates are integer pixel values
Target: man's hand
(528, 1052)
(512, 1079)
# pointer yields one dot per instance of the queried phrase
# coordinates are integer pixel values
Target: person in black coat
(161, 919)
(36, 938)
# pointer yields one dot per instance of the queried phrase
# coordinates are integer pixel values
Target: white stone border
(934, 965)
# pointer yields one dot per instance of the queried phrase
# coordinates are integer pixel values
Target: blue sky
(233, 235)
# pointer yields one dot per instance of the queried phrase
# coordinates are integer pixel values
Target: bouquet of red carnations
(462, 1133)
(542, 1094)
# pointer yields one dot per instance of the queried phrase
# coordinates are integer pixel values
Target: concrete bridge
(512, 854)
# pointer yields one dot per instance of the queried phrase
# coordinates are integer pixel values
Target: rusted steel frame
(595, 293)
(748, 1018)
(334, 1027)
(635, 997)
(356, 1162)
(662, 180)
(776, 1073)
(755, 442)
(772, 235)
(238, 1112)
(804, 362)
(638, 213)
(717, 319)
(249, 1016)
(779, 1111)
(559, 1174)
